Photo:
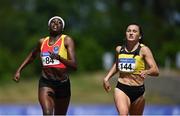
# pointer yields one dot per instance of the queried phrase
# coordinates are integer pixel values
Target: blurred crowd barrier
(88, 110)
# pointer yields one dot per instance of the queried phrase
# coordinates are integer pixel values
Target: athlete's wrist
(106, 79)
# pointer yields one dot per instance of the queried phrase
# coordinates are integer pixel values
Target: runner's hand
(54, 56)
(144, 74)
(106, 85)
(16, 77)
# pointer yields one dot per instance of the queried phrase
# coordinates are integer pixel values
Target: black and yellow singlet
(130, 62)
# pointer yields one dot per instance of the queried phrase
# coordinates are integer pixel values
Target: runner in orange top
(57, 56)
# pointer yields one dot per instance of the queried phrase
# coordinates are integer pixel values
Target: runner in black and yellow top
(57, 56)
(134, 62)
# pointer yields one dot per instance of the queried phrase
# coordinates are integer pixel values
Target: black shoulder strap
(122, 50)
(136, 52)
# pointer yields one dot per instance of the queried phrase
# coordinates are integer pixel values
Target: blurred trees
(96, 26)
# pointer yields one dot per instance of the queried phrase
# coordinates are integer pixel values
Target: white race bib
(46, 61)
(126, 64)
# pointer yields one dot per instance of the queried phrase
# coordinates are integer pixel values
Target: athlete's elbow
(74, 67)
(156, 73)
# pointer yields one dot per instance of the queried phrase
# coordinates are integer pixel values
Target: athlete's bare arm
(32, 55)
(111, 72)
(69, 44)
(152, 66)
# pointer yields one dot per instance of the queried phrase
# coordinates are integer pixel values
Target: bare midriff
(131, 79)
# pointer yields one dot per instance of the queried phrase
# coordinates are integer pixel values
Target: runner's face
(133, 33)
(56, 25)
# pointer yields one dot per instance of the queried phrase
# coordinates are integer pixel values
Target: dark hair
(141, 33)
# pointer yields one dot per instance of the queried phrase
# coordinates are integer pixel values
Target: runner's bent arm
(111, 72)
(152, 66)
(71, 61)
(32, 55)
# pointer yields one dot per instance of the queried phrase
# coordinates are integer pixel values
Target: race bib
(126, 64)
(47, 61)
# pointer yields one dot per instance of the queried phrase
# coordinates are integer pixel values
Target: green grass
(86, 88)
(22, 92)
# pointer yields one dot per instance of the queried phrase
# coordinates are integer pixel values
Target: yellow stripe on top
(63, 50)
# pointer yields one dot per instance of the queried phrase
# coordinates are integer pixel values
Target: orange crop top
(57, 48)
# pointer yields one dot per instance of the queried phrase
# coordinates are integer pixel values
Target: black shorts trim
(62, 89)
(133, 92)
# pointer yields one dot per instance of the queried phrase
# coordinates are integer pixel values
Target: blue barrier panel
(20, 110)
(162, 110)
(92, 110)
(88, 110)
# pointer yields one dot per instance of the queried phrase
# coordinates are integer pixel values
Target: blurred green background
(97, 27)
